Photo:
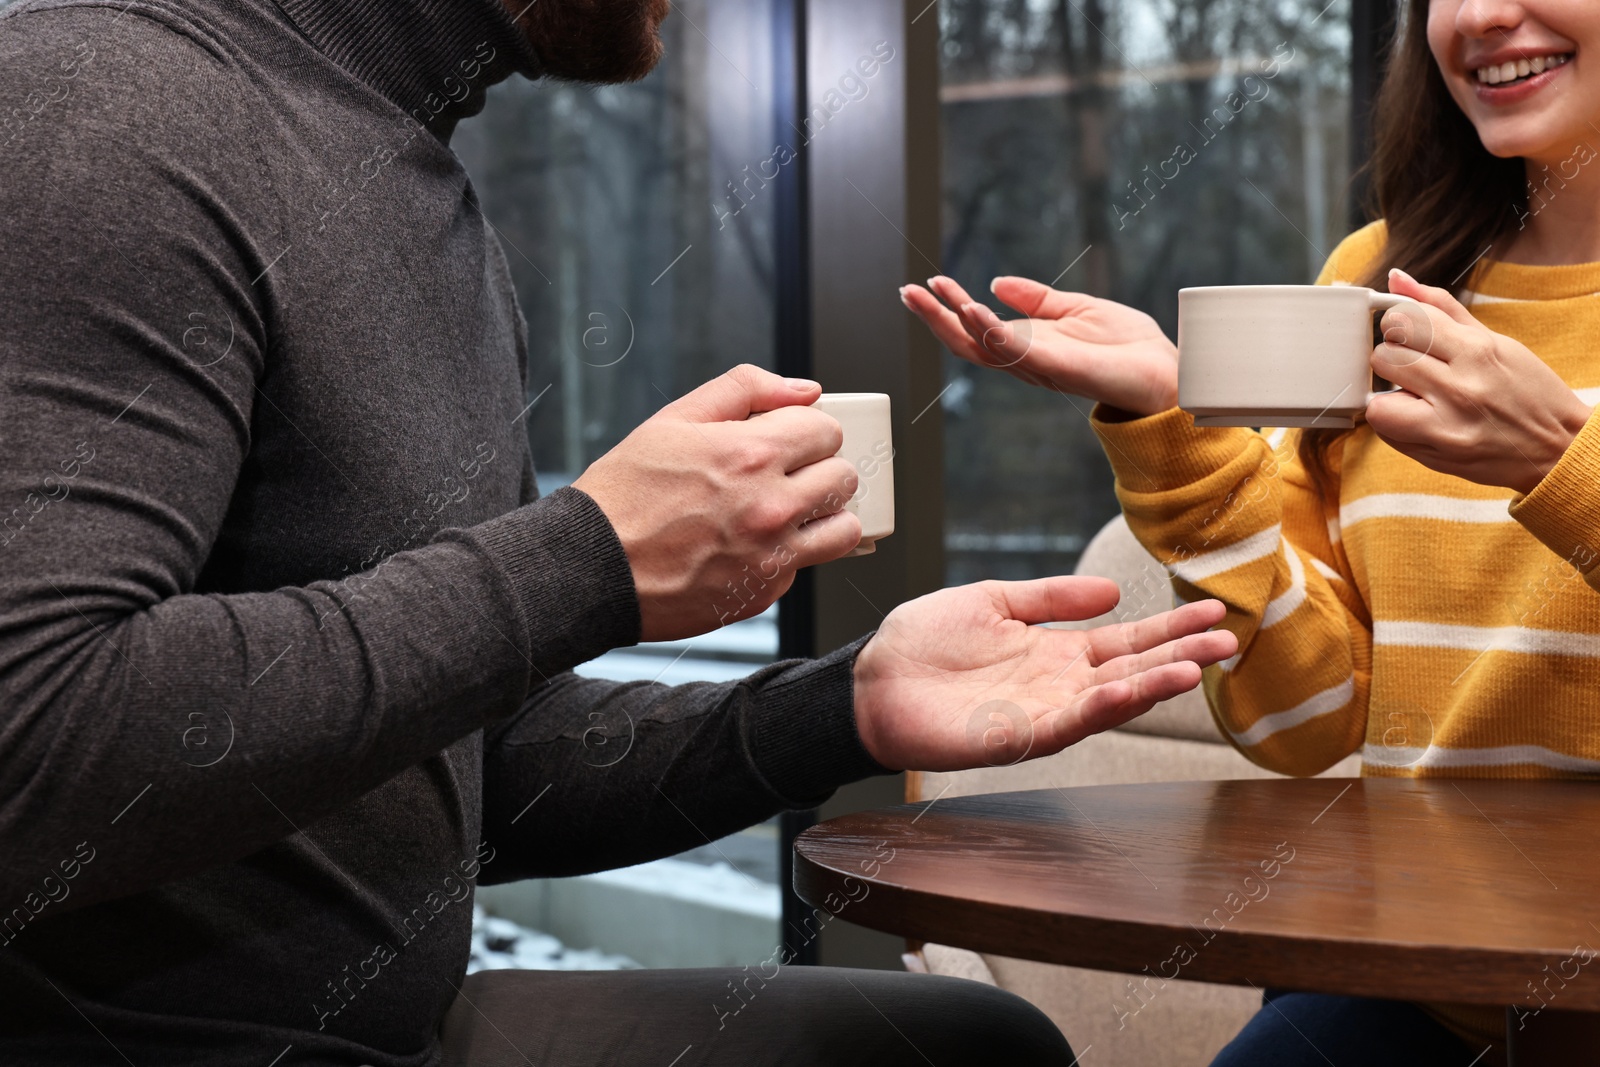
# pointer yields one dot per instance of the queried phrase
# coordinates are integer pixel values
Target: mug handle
(1376, 304)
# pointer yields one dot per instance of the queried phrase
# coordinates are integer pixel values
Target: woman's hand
(1475, 404)
(1072, 342)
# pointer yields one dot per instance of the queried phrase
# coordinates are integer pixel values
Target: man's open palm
(961, 678)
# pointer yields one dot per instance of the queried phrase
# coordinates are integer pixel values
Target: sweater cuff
(804, 735)
(568, 576)
(1159, 453)
(1563, 510)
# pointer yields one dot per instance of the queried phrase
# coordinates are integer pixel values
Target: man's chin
(601, 42)
(648, 60)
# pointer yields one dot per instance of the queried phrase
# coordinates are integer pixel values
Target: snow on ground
(716, 886)
(500, 944)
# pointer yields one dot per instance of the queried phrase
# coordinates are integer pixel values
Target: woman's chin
(1505, 143)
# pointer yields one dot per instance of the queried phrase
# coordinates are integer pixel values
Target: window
(643, 267)
(640, 235)
(1126, 150)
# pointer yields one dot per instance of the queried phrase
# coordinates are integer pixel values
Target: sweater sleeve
(592, 775)
(1234, 518)
(1563, 510)
(168, 729)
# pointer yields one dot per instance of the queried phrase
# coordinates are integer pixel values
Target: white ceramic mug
(868, 445)
(1278, 355)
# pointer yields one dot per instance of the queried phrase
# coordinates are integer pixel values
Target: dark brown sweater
(285, 637)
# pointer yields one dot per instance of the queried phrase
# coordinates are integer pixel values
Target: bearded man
(287, 635)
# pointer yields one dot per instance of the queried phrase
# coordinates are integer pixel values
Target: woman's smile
(1510, 79)
(1516, 70)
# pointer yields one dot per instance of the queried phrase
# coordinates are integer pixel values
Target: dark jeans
(800, 1017)
(1314, 1030)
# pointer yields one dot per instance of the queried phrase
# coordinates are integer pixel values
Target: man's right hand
(1072, 342)
(716, 509)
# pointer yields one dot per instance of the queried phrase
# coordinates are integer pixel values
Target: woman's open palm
(1073, 342)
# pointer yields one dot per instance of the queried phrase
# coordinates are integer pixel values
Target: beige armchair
(1186, 1023)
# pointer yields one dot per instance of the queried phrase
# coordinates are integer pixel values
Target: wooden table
(1483, 892)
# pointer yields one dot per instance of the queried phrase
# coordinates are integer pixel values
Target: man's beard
(595, 41)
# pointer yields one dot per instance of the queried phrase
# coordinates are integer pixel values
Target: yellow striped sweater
(1437, 626)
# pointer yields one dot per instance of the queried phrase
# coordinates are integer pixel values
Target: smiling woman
(1380, 588)
(1463, 81)
(1456, 82)
(1497, 61)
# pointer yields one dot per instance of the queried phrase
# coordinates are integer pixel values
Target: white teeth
(1522, 68)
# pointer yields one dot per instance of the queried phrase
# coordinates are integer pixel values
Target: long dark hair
(1444, 198)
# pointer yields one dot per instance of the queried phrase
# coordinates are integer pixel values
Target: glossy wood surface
(1445, 890)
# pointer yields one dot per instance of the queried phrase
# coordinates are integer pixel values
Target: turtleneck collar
(434, 59)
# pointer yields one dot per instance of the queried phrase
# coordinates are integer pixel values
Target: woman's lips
(1508, 93)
